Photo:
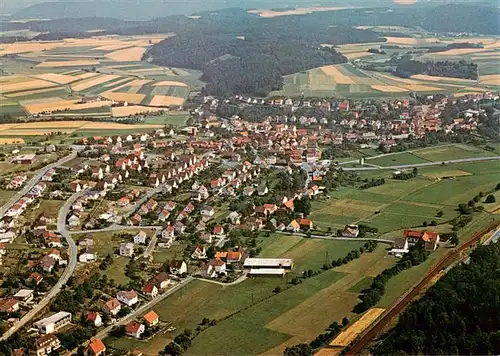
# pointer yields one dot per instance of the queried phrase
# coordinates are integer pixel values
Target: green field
(170, 118)
(396, 159)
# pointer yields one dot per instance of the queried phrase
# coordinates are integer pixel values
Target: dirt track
(378, 326)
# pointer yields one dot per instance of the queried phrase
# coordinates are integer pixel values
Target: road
(144, 199)
(34, 181)
(68, 271)
(152, 243)
(426, 164)
(115, 228)
(378, 326)
(144, 308)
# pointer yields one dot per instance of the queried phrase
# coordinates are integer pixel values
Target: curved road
(68, 271)
(34, 181)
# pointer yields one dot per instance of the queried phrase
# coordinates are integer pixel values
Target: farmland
(52, 78)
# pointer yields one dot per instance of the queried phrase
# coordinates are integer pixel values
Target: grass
(363, 284)
(396, 159)
(171, 118)
(451, 152)
(5, 195)
(160, 255)
(116, 270)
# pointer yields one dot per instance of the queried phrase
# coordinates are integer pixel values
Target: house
(262, 190)
(94, 318)
(9, 305)
(53, 323)
(350, 231)
(200, 253)
(127, 249)
(218, 265)
(178, 267)
(134, 329)
(234, 257)
(88, 255)
(430, 239)
(112, 307)
(95, 348)
(218, 231)
(47, 263)
(25, 296)
(140, 238)
(46, 344)
(293, 226)
(400, 247)
(305, 224)
(128, 298)
(151, 318)
(35, 278)
(24, 159)
(161, 280)
(207, 211)
(234, 217)
(150, 290)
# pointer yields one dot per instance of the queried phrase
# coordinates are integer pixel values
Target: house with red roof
(95, 348)
(430, 239)
(151, 318)
(94, 318)
(134, 329)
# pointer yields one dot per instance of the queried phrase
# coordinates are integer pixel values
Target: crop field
(347, 336)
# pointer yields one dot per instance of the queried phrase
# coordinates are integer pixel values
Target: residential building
(53, 323)
(350, 231)
(178, 267)
(151, 318)
(430, 239)
(95, 348)
(46, 344)
(134, 329)
(150, 290)
(127, 249)
(128, 298)
(140, 238)
(95, 318)
(112, 307)
(400, 247)
(9, 305)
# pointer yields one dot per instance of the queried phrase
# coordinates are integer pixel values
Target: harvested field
(462, 51)
(437, 79)
(133, 54)
(340, 78)
(56, 78)
(446, 173)
(355, 55)
(347, 336)
(170, 83)
(85, 75)
(121, 111)
(70, 126)
(89, 83)
(23, 47)
(389, 88)
(60, 104)
(128, 97)
(492, 79)
(28, 84)
(56, 64)
(38, 132)
(165, 100)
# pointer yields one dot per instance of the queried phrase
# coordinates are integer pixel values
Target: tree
(439, 213)
(454, 240)
(299, 350)
(490, 199)
(345, 322)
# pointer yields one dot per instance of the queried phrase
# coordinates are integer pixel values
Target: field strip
(130, 98)
(490, 79)
(30, 84)
(135, 82)
(121, 81)
(31, 92)
(347, 336)
(299, 11)
(92, 82)
(123, 111)
(170, 83)
(70, 125)
(56, 78)
(66, 64)
(462, 51)
(340, 78)
(23, 47)
(133, 54)
(62, 105)
(114, 47)
(438, 79)
(9, 141)
(389, 88)
(165, 100)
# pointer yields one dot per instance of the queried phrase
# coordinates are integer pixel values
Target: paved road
(240, 279)
(68, 271)
(144, 199)
(34, 181)
(115, 228)
(426, 164)
(152, 243)
(144, 308)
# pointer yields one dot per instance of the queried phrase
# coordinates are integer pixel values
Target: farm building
(268, 266)
(24, 159)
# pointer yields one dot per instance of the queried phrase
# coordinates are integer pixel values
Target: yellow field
(492, 79)
(347, 336)
(56, 78)
(355, 55)
(461, 51)
(9, 141)
(89, 83)
(31, 128)
(132, 54)
(409, 84)
(86, 75)
(54, 104)
(122, 111)
(56, 64)
(128, 97)
(27, 84)
(437, 79)
(340, 78)
(38, 132)
(389, 88)
(23, 47)
(170, 83)
(165, 100)
(299, 11)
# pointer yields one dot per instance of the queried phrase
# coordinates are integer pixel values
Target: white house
(140, 238)
(127, 249)
(128, 298)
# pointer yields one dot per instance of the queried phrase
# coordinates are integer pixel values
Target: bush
(490, 199)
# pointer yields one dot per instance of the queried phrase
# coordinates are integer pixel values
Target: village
(139, 216)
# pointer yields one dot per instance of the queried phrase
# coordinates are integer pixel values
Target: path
(115, 228)
(68, 271)
(331, 237)
(240, 279)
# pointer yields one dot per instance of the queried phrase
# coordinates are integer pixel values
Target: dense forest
(455, 69)
(460, 315)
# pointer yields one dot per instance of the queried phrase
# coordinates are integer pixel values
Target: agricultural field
(397, 205)
(263, 321)
(52, 78)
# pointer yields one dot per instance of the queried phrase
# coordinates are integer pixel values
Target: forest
(459, 315)
(454, 69)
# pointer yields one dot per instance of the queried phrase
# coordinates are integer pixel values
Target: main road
(34, 181)
(68, 271)
(417, 165)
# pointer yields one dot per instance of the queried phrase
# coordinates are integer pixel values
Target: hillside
(459, 315)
